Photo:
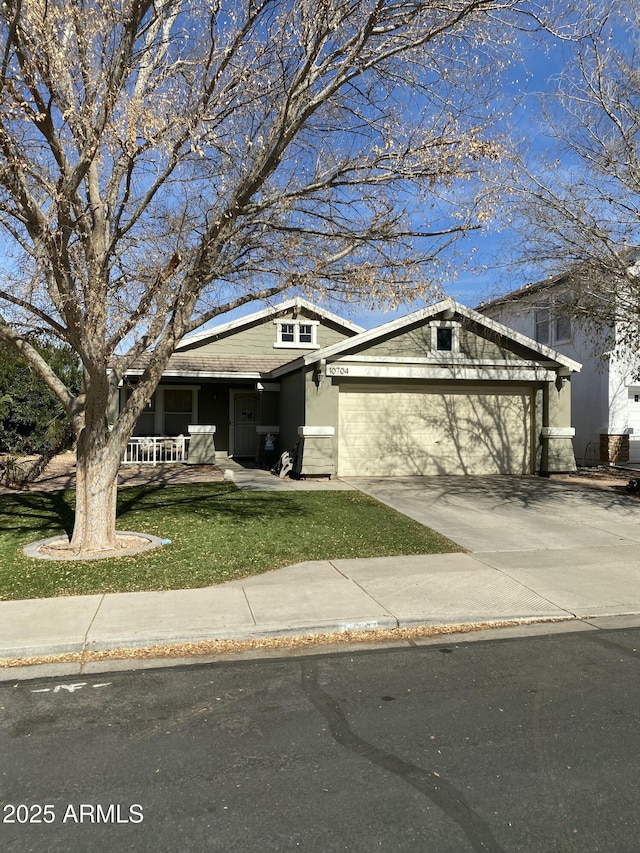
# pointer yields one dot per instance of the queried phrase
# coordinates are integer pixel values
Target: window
(552, 323)
(306, 333)
(444, 339)
(146, 423)
(178, 410)
(542, 325)
(563, 328)
(296, 333)
(287, 333)
(171, 410)
(445, 336)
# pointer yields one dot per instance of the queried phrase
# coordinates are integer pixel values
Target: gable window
(287, 333)
(297, 333)
(305, 333)
(444, 339)
(445, 336)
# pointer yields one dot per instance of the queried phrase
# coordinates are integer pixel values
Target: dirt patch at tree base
(59, 547)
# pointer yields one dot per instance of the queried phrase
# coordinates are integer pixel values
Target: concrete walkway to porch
(249, 476)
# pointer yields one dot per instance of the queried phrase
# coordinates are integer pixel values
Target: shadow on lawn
(203, 499)
(167, 495)
(38, 513)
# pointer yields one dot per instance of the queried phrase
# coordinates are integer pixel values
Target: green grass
(218, 533)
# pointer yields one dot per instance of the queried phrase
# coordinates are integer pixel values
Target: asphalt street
(501, 745)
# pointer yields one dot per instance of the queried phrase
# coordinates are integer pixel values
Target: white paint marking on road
(71, 688)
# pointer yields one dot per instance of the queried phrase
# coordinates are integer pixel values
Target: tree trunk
(98, 462)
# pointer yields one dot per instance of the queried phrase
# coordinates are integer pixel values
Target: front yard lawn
(218, 533)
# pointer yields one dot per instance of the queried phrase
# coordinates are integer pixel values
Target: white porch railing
(156, 449)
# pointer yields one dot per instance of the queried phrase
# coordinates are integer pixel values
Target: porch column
(202, 450)
(557, 435)
(315, 452)
(557, 451)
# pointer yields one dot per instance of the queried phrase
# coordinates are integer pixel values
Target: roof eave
(417, 316)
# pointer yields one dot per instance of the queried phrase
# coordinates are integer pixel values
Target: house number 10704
(334, 370)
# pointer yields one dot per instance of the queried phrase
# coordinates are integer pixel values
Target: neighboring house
(444, 390)
(605, 396)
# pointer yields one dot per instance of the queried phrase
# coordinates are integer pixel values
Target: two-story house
(605, 395)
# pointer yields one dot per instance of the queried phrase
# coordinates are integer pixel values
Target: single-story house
(444, 390)
(605, 397)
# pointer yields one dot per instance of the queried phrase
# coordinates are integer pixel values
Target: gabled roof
(215, 332)
(629, 255)
(527, 290)
(195, 365)
(421, 316)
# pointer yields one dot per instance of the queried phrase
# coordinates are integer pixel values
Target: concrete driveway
(511, 513)
(576, 547)
(488, 514)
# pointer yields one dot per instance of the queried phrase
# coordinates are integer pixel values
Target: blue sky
(488, 251)
(492, 248)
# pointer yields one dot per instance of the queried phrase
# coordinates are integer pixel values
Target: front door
(244, 420)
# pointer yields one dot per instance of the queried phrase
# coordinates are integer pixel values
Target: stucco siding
(292, 408)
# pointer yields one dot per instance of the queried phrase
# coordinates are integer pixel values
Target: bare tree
(165, 162)
(575, 195)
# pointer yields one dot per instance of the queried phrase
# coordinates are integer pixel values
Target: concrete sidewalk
(324, 597)
(574, 582)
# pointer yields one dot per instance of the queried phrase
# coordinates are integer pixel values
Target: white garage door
(390, 432)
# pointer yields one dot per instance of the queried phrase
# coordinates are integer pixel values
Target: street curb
(522, 625)
(31, 666)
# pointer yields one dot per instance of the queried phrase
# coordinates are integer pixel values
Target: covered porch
(195, 423)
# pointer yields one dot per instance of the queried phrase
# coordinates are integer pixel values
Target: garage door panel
(391, 432)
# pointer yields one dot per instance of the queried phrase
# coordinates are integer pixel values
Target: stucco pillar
(315, 452)
(202, 449)
(557, 433)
